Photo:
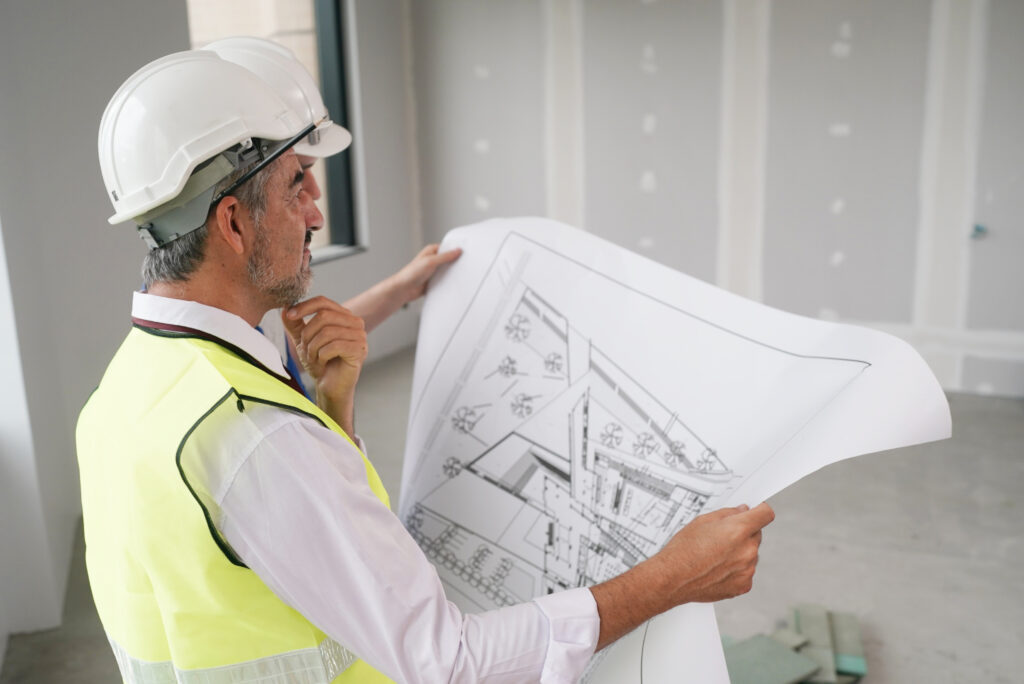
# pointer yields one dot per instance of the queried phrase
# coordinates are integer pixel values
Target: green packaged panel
(812, 621)
(763, 660)
(789, 638)
(847, 645)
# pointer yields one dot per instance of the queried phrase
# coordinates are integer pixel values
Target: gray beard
(283, 291)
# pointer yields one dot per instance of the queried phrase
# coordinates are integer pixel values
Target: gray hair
(178, 259)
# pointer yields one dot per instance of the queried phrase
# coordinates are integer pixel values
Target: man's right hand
(331, 346)
(712, 558)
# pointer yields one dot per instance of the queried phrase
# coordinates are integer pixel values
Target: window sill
(332, 252)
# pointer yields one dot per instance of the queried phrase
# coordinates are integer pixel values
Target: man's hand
(397, 290)
(411, 281)
(331, 346)
(712, 558)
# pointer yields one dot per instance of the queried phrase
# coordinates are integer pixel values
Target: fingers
(342, 320)
(332, 331)
(312, 306)
(750, 520)
(759, 516)
(725, 512)
(447, 257)
(324, 312)
(293, 326)
(339, 349)
(336, 342)
(430, 259)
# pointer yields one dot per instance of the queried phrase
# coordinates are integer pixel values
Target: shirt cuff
(573, 627)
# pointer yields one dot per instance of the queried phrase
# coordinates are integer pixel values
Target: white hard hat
(278, 66)
(179, 114)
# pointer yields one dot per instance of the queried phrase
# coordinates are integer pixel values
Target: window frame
(330, 38)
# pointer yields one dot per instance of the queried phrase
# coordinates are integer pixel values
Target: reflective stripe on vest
(307, 666)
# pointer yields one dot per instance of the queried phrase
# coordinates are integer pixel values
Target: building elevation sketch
(575, 405)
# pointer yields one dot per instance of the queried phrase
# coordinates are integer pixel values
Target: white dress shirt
(296, 507)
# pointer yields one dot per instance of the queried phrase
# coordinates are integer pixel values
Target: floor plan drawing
(566, 422)
(576, 512)
(584, 471)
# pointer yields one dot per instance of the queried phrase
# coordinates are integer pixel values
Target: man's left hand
(412, 279)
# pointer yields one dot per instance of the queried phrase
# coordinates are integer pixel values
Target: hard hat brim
(332, 139)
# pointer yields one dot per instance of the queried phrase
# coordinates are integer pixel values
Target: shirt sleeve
(299, 512)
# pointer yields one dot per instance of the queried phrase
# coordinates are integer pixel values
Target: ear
(229, 217)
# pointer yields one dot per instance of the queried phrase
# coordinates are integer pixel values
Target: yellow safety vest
(176, 603)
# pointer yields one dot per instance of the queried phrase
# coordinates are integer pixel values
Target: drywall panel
(479, 83)
(1003, 377)
(845, 115)
(70, 273)
(27, 598)
(996, 256)
(651, 88)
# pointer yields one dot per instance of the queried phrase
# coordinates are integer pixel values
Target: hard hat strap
(265, 154)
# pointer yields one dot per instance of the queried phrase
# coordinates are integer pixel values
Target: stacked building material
(817, 646)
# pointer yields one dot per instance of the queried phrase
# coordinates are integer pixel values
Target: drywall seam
(938, 47)
(723, 274)
(418, 238)
(743, 147)
(563, 115)
(975, 93)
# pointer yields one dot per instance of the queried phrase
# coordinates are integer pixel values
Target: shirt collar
(211, 320)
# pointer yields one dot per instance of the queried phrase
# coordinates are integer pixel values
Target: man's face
(279, 262)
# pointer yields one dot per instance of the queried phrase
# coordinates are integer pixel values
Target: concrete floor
(925, 545)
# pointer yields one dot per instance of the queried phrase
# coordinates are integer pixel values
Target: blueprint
(574, 405)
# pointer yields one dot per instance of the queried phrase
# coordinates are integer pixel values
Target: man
(235, 531)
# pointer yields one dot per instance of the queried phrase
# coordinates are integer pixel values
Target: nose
(314, 219)
(310, 185)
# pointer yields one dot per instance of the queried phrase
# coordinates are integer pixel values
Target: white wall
(825, 157)
(68, 274)
(21, 593)
(479, 84)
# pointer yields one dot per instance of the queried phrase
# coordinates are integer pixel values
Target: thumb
(759, 516)
(293, 326)
(449, 256)
(720, 513)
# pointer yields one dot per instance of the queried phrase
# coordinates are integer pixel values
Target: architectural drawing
(575, 405)
(583, 470)
(573, 513)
